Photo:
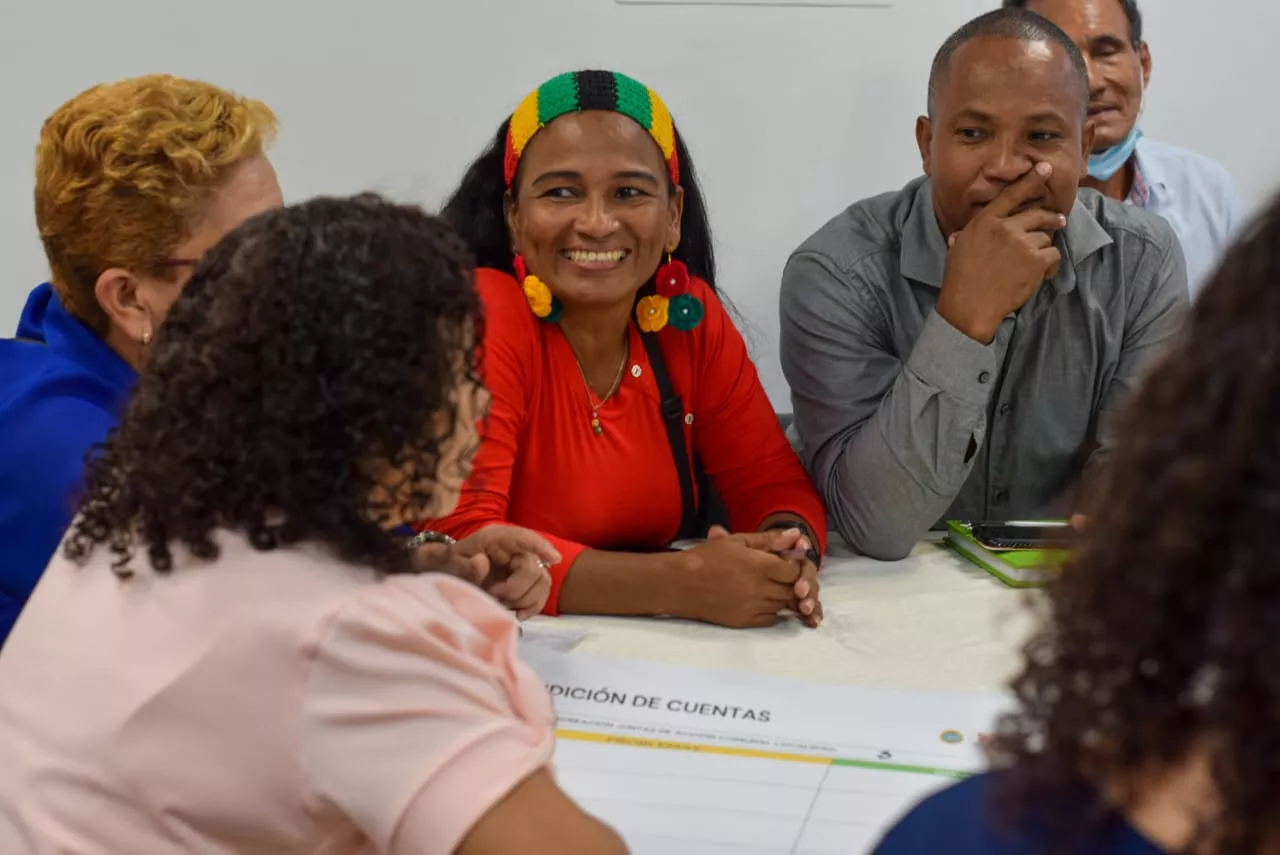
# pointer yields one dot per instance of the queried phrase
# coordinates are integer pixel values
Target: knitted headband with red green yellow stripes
(575, 91)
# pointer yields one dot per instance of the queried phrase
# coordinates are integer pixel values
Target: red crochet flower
(672, 279)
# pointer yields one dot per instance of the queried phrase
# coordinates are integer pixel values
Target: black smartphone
(1008, 536)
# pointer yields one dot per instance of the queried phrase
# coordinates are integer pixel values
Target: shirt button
(1002, 497)
(984, 378)
(1005, 409)
(636, 372)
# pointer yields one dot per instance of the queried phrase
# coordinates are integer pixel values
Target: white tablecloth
(931, 621)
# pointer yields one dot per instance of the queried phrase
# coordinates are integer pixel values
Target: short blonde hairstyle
(124, 171)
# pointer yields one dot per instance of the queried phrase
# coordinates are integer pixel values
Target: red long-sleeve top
(540, 465)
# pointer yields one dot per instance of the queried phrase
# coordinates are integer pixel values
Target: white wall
(791, 113)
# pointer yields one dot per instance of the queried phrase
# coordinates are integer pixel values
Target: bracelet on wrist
(424, 537)
(812, 552)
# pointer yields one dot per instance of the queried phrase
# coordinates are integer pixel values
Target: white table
(931, 621)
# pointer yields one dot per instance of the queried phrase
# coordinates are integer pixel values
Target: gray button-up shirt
(904, 421)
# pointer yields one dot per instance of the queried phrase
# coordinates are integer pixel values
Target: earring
(653, 313)
(542, 302)
(672, 278)
(146, 337)
(672, 304)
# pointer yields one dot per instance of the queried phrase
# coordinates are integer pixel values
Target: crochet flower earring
(672, 304)
(541, 301)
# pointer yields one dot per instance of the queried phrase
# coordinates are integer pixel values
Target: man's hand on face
(1001, 257)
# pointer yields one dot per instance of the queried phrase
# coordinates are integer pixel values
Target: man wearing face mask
(961, 348)
(1194, 193)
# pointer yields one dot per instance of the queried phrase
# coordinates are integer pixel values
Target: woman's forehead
(592, 138)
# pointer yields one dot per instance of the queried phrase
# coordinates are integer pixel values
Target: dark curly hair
(477, 211)
(311, 343)
(1160, 641)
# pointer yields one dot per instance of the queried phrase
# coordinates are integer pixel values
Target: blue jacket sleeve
(42, 453)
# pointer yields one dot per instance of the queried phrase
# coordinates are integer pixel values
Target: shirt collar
(65, 334)
(1140, 191)
(1153, 172)
(923, 256)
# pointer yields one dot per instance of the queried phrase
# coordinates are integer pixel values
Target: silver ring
(544, 565)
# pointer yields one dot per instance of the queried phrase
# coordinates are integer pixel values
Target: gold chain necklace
(595, 405)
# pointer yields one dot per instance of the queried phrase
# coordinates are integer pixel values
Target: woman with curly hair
(134, 181)
(1147, 717)
(235, 651)
(623, 395)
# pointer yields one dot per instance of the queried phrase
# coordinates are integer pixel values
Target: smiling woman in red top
(617, 377)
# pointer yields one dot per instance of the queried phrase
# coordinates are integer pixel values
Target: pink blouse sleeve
(418, 716)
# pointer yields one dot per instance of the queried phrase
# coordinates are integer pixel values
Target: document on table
(683, 761)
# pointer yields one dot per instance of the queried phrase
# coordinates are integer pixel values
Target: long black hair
(477, 211)
(310, 342)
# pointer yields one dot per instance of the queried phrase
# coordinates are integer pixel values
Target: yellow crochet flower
(538, 295)
(651, 313)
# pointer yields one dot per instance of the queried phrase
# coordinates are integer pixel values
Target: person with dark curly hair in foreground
(235, 651)
(1148, 702)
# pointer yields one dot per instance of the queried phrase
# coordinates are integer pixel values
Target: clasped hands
(753, 579)
(509, 562)
(733, 580)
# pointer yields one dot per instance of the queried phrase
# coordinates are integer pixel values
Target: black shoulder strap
(673, 418)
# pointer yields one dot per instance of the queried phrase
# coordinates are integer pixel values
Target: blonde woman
(134, 181)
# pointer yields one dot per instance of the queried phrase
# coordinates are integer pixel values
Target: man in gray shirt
(961, 349)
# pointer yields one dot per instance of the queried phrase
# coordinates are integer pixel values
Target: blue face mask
(1105, 164)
